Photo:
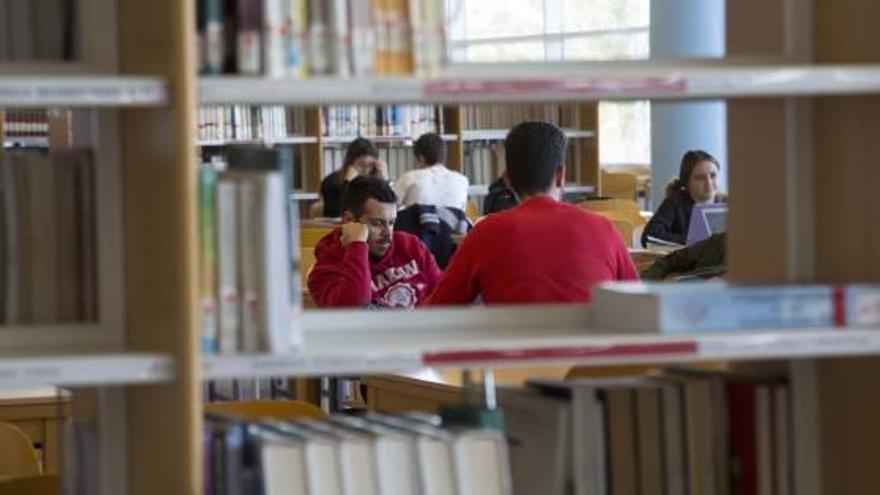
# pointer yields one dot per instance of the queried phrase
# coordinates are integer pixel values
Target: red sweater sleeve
(342, 282)
(459, 284)
(626, 269)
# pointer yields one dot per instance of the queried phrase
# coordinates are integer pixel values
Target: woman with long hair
(697, 183)
(361, 158)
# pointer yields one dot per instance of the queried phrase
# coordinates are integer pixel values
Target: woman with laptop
(697, 184)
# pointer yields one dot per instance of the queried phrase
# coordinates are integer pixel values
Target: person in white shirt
(432, 183)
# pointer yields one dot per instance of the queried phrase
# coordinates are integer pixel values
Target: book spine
(249, 43)
(274, 40)
(208, 265)
(295, 22)
(214, 37)
(228, 294)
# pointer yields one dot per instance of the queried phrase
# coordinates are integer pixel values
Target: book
(295, 27)
(274, 39)
(322, 471)
(691, 307)
(228, 293)
(248, 37)
(481, 463)
(208, 256)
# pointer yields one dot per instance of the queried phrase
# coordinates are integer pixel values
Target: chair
(309, 237)
(620, 185)
(287, 410)
(626, 230)
(17, 454)
(45, 484)
(471, 210)
(621, 209)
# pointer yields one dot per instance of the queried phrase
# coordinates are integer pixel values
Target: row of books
(18, 123)
(36, 30)
(382, 120)
(347, 455)
(247, 239)
(301, 38)
(483, 162)
(244, 122)
(673, 433)
(507, 115)
(717, 306)
(48, 270)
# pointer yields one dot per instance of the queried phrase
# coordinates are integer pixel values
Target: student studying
(361, 158)
(364, 263)
(542, 250)
(432, 183)
(697, 183)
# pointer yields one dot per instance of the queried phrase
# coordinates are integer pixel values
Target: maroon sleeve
(429, 268)
(459, 284)
(344, 282)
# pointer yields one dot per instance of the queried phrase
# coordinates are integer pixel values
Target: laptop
(706, 220)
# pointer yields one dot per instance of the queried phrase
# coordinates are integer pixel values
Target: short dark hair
(533, 151)
(431, 148)
(356, 193)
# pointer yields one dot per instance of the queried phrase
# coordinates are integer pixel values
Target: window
(538, 30)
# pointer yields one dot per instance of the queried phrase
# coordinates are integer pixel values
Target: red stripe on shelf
(607, 85)
(839, 300)
(550, 353)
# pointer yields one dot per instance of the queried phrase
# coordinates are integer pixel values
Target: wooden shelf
(624, 81)
(86, 370)
(81, 91)
(352, 342)
(263, 141)
(408, 140)
(501, 134)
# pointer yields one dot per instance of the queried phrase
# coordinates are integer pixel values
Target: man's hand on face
(354, 232)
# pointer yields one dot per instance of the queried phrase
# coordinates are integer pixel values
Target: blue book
(697, 307)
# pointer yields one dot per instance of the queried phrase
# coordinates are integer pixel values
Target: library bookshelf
(817, 227)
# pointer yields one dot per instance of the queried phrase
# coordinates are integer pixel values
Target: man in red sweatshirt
(365, 263)
(543, 250)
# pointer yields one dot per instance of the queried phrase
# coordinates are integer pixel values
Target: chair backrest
(620, 185)
(626, 229)
(44, 484)
(471, 211)
(17, 454)
(616, 208)
(253, 410)
(309, 236)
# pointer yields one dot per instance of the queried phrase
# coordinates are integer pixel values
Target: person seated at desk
(432, 183)
(543, 250)
(364, 263)
(500, 197)
(697, 182)
(704, 259)
(361, 158)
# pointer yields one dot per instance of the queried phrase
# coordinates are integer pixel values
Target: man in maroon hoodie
(365, 263)
(543, 250)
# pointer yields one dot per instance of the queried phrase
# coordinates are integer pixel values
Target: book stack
(48, 270)
(302, 38)
(37, 30)
(406, 121)
(242, 122)
(717, 306)
(249, 270)
(677, 432)
(346, 455)
(25, 123)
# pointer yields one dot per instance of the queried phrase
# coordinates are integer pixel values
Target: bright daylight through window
(598, 30)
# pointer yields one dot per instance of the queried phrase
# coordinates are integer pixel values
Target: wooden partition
(159, 202)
